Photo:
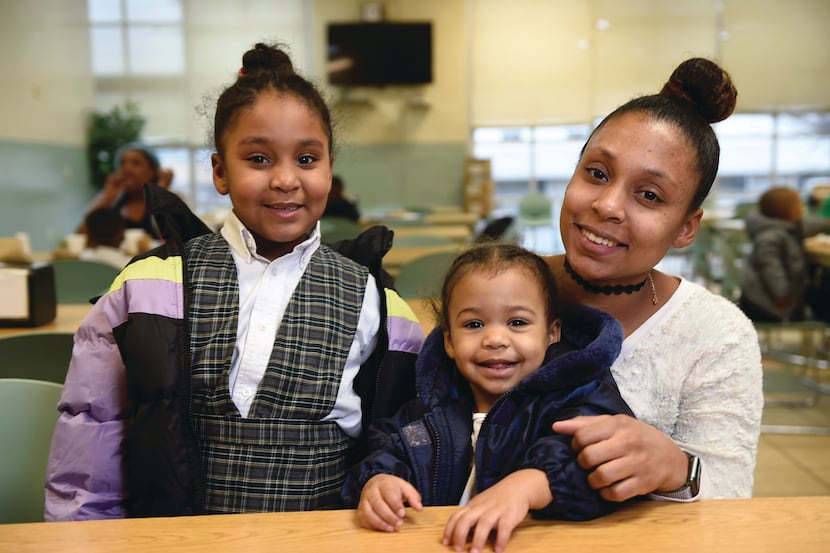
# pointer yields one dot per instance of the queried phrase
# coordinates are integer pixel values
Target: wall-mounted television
(379, 54)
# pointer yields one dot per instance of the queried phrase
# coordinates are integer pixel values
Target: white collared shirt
(265, 288)
(470, 487)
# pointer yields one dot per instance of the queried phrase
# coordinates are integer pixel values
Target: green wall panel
(44, 189)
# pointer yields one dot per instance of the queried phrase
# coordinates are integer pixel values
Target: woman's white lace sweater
(693, 371)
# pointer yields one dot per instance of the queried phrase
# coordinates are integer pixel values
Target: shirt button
(260, 327)
(246, 392)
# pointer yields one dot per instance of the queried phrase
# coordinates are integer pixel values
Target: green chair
(422, 276)
(335, 229)
(535, 212)
(27, 420)
(79, 280)
(36, 355)
(799, 352)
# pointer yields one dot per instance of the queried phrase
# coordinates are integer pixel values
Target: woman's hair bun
(705, 86)
(263, 57)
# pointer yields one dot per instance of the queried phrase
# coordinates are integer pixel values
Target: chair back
(36, 355)
(27, 420)
(335, 229)
(422, 277)
(535, 208)
(79, 280)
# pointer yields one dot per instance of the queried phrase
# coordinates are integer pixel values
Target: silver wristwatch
(691, 488)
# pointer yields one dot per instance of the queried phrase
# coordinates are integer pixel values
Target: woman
(690, 366)
(124, 190)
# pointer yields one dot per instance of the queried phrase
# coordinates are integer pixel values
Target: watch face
(693, 478)
(691, 488)
(694, 469)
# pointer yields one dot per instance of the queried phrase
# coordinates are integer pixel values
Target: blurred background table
(399, 256)
(460, 234)
(818, 249)
(68, 318)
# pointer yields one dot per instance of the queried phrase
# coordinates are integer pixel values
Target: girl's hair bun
(265, 58)
(702, 84)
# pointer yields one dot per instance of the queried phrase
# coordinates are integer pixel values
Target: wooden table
(778, 525)
(460, 234)
(68, 317)
(452, 218)
(818, 249)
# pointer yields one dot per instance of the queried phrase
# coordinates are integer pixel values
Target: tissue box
(27, 294)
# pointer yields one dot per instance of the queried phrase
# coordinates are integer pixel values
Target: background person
(138, 165)
(776, 273)
(338, 205)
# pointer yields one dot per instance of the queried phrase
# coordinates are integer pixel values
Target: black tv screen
(378, 54)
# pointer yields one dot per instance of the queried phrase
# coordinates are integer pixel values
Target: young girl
(235, 371)
(495, 370)
(690, 365)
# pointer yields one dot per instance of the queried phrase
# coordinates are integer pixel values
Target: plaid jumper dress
(283, 457)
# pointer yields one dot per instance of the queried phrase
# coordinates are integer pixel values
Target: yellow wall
(779, 53)
(545, 61)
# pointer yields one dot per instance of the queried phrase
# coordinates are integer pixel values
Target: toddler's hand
(498, 509)
(382, 501)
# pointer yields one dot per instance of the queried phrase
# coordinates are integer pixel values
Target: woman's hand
(626, 457)
(165, 178)
(114, 187)
(500, 508)
(382, 501)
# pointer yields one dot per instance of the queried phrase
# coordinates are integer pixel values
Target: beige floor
(792, 465)
(794, 450)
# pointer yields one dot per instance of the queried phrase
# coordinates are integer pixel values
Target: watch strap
(690, 490)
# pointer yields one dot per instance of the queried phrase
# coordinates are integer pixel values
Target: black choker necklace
(607, 289)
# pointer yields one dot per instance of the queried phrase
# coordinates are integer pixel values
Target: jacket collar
(591, 341)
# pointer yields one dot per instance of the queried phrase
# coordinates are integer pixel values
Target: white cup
(75, 243)
(132, 240)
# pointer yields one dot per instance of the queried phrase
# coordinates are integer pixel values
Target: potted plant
(108, 131)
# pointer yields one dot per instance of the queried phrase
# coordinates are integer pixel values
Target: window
(193, 178)
(757, 151)
(541, 157)
(166, 56)
(136, 37)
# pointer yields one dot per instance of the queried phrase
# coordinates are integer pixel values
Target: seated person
(491, 380)
(338, 204)
(104, 234)
(124, 190)
(775, 278)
